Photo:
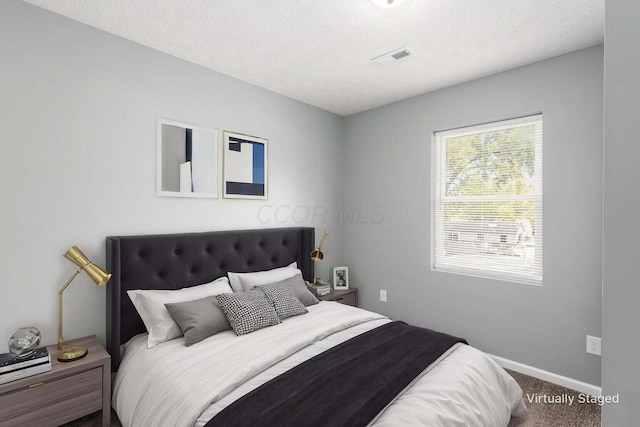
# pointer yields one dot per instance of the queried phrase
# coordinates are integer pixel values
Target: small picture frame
(340, 278)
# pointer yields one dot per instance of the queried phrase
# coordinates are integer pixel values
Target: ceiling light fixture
(386, 3)
(390, 57)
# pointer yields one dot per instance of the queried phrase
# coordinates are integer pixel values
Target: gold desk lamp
(317, 255)
(100, 277)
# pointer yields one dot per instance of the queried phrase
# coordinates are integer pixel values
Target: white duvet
(174, 385)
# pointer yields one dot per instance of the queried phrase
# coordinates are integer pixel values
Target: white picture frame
(340, 278)
(186, 160)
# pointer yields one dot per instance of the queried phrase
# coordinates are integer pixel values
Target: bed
(175, 385)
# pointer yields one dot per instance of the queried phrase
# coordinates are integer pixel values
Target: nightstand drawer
(61, 397)
(58, 413)
(346, 297)
(349, 299)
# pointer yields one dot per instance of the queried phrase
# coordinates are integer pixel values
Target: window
(487, 200)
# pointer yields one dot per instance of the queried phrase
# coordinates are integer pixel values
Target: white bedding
(174, 385)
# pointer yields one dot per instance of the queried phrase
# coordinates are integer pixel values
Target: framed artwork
(245, 168)
(340, 278)
(187, 160)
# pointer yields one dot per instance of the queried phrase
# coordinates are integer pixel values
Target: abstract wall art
(245, 167)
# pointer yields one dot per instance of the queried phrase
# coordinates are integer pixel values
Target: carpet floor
(539, 414)
(553, 414)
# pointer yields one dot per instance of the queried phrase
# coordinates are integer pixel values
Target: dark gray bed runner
(347, 385)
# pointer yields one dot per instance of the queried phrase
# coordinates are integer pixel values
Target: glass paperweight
(24, 342)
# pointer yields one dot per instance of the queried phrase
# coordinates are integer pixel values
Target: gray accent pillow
(198, 319)
(284, 301)
(247, 311)
(299, 287)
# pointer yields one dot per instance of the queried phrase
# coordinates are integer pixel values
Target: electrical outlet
(594, 345)
(383, 295)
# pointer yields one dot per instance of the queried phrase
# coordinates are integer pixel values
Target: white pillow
(156, 317)
(243, 282)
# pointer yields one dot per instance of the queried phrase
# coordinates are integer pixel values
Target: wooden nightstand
(68, 391)
(347, 297)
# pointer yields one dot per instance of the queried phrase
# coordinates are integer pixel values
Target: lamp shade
(76, 256)
(97, 274)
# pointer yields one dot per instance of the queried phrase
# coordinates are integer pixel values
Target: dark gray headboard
(173, 261)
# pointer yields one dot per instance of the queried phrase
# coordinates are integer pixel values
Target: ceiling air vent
(393, 56)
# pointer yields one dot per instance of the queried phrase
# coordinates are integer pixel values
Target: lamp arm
(324, 237)
(60, 339)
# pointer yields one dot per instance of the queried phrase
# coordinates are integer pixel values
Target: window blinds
(487, 200)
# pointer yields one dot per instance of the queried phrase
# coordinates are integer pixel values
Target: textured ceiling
(319, 51)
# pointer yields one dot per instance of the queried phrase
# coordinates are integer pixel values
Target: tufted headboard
(173, 261)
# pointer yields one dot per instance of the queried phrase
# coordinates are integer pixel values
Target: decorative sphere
(24, 342)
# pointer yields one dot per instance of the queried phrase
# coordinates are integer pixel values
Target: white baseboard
(560, 380)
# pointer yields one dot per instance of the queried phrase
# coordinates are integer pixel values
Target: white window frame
(438, 198)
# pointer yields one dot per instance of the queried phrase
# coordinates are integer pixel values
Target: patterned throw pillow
(284, 301)
(247, 311)
(300, 289)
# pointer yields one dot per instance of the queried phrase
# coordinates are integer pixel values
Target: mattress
(174, 385)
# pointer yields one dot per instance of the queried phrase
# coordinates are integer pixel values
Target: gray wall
(388, 165)
(621, 287)
(78, 157)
